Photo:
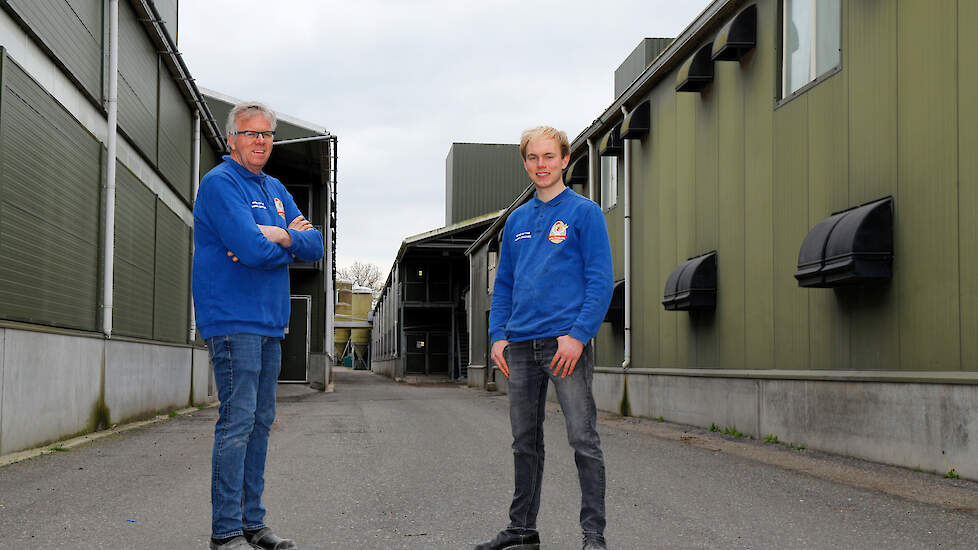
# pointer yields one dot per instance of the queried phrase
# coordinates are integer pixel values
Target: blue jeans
(529, 375)
(246, 368)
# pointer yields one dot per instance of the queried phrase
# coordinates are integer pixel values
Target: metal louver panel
(171, 303)
(49, 209)
(135, 243)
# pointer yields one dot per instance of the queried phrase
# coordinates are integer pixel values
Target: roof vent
(692, 285)
(697, 71)
(638, 122)
(611, 144)
(850, 247)
(737, 37)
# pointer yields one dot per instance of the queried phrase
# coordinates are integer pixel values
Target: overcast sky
(399, 82)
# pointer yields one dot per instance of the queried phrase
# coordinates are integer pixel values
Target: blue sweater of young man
(252, 294)
(555, 275)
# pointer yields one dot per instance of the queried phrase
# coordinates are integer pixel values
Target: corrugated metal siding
(828, 131)
(728, 93)
(791, 224)
(175, 137)
(871, 69)
(49, 194)
(171, 302)
(645, 191)
(927, 194)
(72, 29)
(168, 11)
(759, 78)
(968, 181)
(135, 245)
(663, 161)
(138, 76)
(485, 178)
(704, 343)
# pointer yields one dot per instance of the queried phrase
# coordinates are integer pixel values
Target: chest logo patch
(280, 208)
(258, 204)
(558, 232)
(522, 235)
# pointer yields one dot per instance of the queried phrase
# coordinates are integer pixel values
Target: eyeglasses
(269, 134)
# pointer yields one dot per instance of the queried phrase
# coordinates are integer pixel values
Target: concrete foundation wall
(205, 390)
(387, 368)
(54, 386)
(477, 376)
(144, 379)
(51, 387)
(931, 426)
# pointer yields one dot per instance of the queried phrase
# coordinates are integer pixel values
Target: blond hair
(545, 132)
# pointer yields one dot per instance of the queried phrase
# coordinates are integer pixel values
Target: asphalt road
(381, 465)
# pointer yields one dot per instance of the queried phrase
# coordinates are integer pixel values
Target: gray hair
(248, 109)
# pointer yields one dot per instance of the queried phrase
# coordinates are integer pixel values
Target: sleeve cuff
(579, 335)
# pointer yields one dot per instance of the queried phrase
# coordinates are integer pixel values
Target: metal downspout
(330, 253)
(112, 106)
(195, 174)
(590, 168)
(627, 252)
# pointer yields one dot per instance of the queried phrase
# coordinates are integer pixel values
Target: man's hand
(300, 224)
(568, 352)
(497, 356)
(276, 234)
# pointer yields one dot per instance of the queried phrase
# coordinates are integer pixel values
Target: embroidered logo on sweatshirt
(280, 207)
(522, 235)
(258, 204)
(558, 232)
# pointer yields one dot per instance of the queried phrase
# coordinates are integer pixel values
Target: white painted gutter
(112, 106)
(627, 252)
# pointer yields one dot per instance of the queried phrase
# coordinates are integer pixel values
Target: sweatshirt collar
(241, 170)
(554, 201)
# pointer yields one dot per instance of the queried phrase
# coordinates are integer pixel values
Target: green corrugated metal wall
(175, 137)
(49, 208)
(138, 74)
(135, 258)
(481, 178)
(72, 29)
(171, 297)
(732, 169)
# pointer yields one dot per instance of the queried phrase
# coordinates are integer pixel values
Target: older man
(247, 230)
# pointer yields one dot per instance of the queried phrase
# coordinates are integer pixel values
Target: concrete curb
(67, 444)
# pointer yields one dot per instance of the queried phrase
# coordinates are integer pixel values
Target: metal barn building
(792, 202)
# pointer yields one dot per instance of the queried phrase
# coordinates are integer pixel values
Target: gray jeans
(529, 375)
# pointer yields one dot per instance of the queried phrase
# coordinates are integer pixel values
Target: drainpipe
(590, 168)
(195, 174)
(627, 253)
(112, 105)
(330, 258)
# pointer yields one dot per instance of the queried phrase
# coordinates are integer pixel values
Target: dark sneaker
(237, 543)
(507, 540)
(594, 542)
(270, 541)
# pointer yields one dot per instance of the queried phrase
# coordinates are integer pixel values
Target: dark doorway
(427, 352)
(295, 347)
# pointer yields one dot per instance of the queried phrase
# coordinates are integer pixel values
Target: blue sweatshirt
(554, 275)
(252, 294)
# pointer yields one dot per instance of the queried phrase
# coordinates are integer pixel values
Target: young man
(247, 230)
(552, 289)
